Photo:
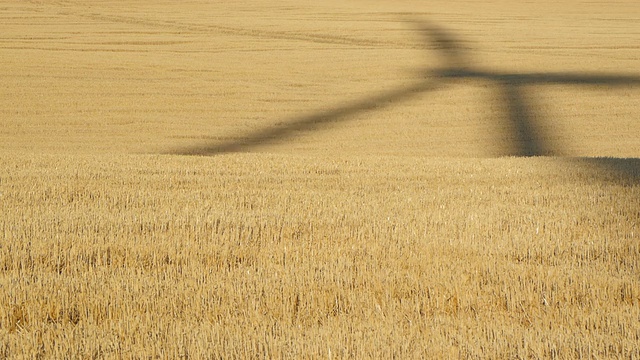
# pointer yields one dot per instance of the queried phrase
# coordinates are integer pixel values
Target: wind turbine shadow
(529, 140)
(291, 128)
(456, 64)
(626, 169)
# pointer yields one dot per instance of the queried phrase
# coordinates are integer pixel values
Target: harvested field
(319, 180)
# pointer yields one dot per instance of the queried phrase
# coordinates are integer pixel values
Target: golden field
(353, 200)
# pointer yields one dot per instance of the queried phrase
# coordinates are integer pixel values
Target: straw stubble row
(269, 255)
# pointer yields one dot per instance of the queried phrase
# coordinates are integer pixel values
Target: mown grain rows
(199, 256)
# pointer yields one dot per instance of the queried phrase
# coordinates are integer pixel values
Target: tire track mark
(225, 30)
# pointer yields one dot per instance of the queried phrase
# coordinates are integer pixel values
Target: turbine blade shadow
(450, 48)
(568, 78)
(521, 117)
(290, 129)
(575, 79)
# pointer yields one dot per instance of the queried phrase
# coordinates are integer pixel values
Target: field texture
(287, 179)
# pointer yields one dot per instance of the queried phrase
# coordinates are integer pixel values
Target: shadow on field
(617, 168)
(529, 139)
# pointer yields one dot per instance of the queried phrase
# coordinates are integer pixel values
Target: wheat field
(286, 179)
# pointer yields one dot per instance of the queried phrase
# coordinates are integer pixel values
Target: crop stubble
(394, 232)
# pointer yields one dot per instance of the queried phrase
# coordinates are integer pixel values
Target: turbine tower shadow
(455, 61)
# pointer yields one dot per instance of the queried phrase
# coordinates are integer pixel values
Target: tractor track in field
(68, 8)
